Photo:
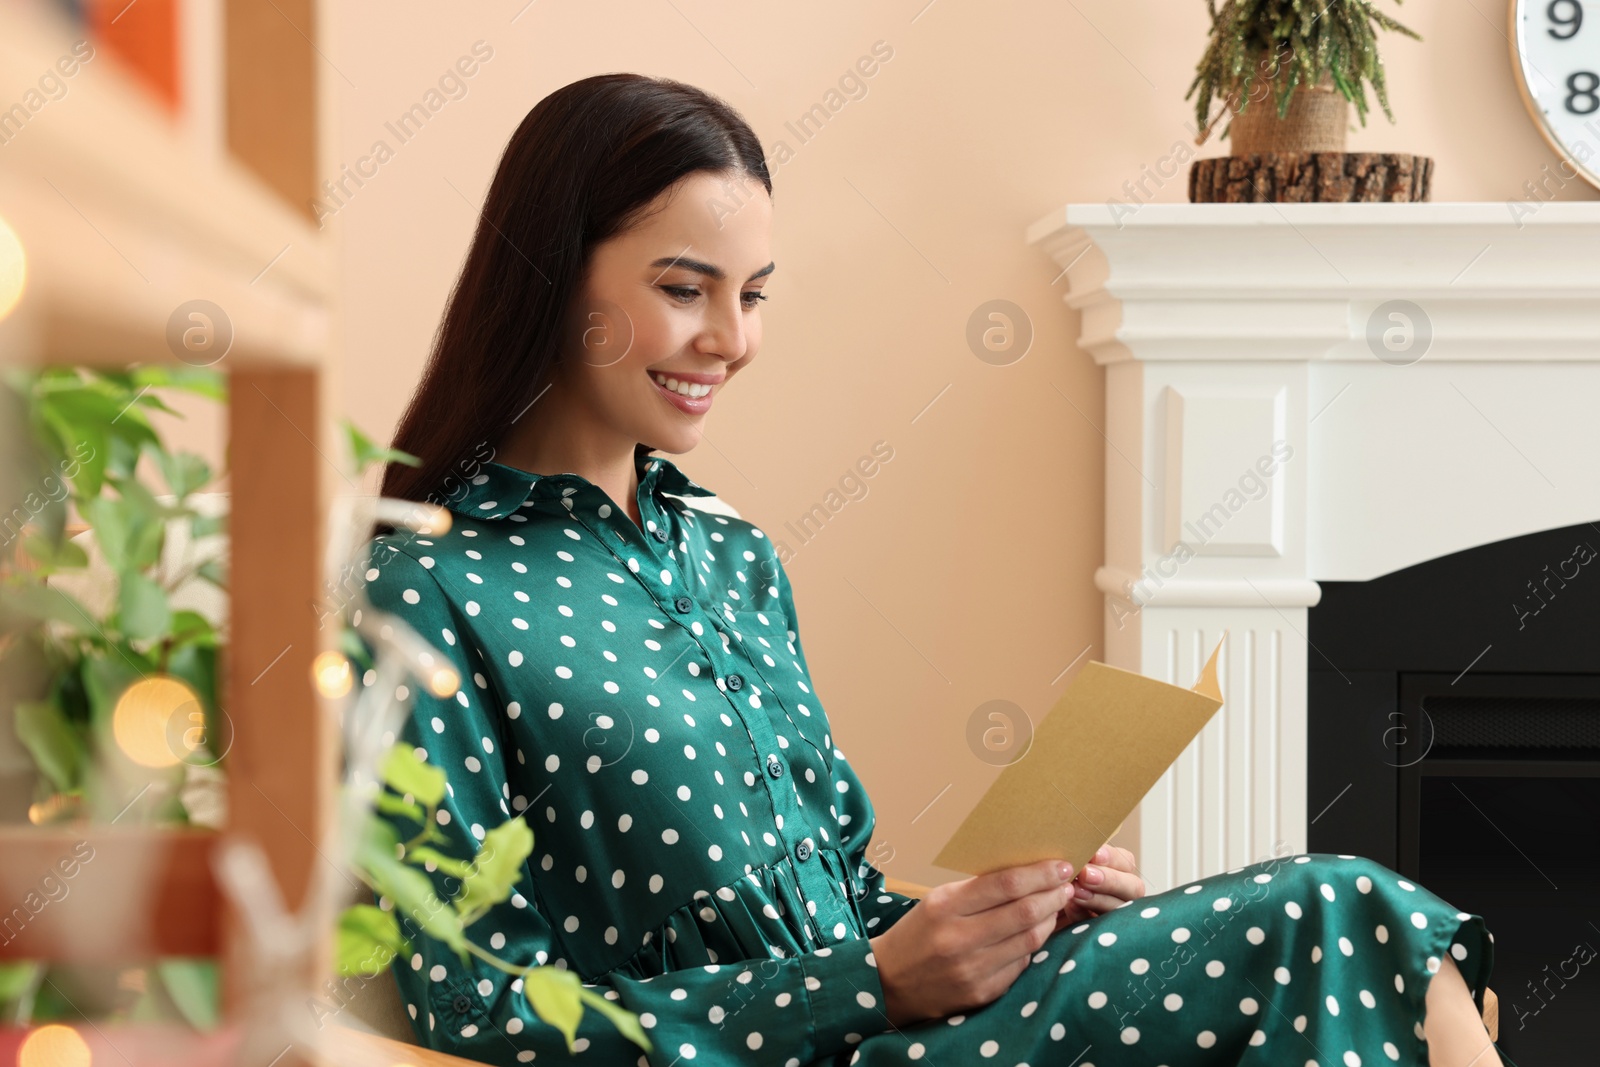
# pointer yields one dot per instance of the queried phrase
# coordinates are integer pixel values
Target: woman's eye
(687, 293)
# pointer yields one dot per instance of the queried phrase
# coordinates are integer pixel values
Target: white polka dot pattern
(684, 761)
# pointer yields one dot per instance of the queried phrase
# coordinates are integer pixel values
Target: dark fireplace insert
(1454, 735)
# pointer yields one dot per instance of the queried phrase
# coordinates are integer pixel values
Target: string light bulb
(158, 721)
(13, 268)
(54, 1046)
(332, 673)
(444, 681)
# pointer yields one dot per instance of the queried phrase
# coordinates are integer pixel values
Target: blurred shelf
(124, 217)
(118, 895)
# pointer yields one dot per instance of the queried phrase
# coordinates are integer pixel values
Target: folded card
(1093, 757)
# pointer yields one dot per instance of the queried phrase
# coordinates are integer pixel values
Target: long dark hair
(580, 169)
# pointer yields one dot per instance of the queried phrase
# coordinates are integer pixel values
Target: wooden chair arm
(900, 885)
(342, 1046)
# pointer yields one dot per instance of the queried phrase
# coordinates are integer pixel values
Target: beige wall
(965, 573)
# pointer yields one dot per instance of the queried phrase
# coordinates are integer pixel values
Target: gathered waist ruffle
(759, 915)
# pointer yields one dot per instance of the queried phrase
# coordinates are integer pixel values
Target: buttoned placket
(680, 605)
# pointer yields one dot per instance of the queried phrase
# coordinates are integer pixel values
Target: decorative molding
(1215, 438)
(1184, 593)
(1299, 281)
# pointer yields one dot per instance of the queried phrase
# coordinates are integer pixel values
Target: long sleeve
(880, 908)
(780, 1011)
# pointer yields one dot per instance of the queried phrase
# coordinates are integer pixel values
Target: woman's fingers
(1108, 881)
(1099, 903)
(1005, 921)
(986, 891)
(1024, 943)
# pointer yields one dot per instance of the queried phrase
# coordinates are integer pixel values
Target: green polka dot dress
(641, 698)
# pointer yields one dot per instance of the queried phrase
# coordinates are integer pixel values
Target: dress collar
(498, 490)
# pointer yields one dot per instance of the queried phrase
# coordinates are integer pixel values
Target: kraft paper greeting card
(1094, 756)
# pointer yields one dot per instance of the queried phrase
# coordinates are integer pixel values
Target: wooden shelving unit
(123, 217)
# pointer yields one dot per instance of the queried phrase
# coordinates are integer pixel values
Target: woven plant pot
(1317, 121)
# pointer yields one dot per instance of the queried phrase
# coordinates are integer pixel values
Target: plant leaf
(192, 984)
(448, 864)
(206, 525)
(105, 677)
(57, 749)
(112, 524)
(191, 627)
(202, 381)
(409, 889)
(16, 978)
(390, 804)
(214, 571)
(196, 664)
(365, 453)
(142, 608)
(497, 867)
(52, 557)
(407, 775)
(553, 993)
(626, 1022)
(42, 602)
(184, 472)
(369, 938)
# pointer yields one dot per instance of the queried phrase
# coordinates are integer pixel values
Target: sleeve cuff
(846, 994)
(883, 908)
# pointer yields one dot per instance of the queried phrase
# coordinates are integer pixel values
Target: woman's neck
(543, 448)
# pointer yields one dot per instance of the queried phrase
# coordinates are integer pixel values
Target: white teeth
(689, 389)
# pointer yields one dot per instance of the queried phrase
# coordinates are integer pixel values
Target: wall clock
(1555, 50)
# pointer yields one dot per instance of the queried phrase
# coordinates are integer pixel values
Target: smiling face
(669, 313)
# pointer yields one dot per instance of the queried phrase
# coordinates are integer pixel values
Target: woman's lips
(687, 405)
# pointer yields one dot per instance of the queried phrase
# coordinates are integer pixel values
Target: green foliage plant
(88, 430)
(370, 936)
(84, 435)
(1258, 47)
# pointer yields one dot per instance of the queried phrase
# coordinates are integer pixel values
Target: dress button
(802, 851)
(659, 535)
(735, 682)
(461, 1004)
(683, 604)
(774, 767)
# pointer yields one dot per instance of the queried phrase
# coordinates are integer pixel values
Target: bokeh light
(155, 721)
(444, 682)
(332, 673)
(13, 268)
(54, 1046)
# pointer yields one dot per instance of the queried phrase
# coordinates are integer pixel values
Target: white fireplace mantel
(1257, 444)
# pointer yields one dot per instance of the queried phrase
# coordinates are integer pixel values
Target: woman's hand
(963, 944)
(1109, 882)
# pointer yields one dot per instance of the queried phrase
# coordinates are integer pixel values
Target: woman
(635, 686)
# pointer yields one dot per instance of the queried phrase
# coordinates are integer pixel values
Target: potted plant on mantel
(1286, 73)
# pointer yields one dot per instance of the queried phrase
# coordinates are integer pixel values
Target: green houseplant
(83, 436)
(1305, 53)
(370, 936)
(88, 432)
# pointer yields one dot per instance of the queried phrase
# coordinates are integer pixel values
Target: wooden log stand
(1299, 177)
